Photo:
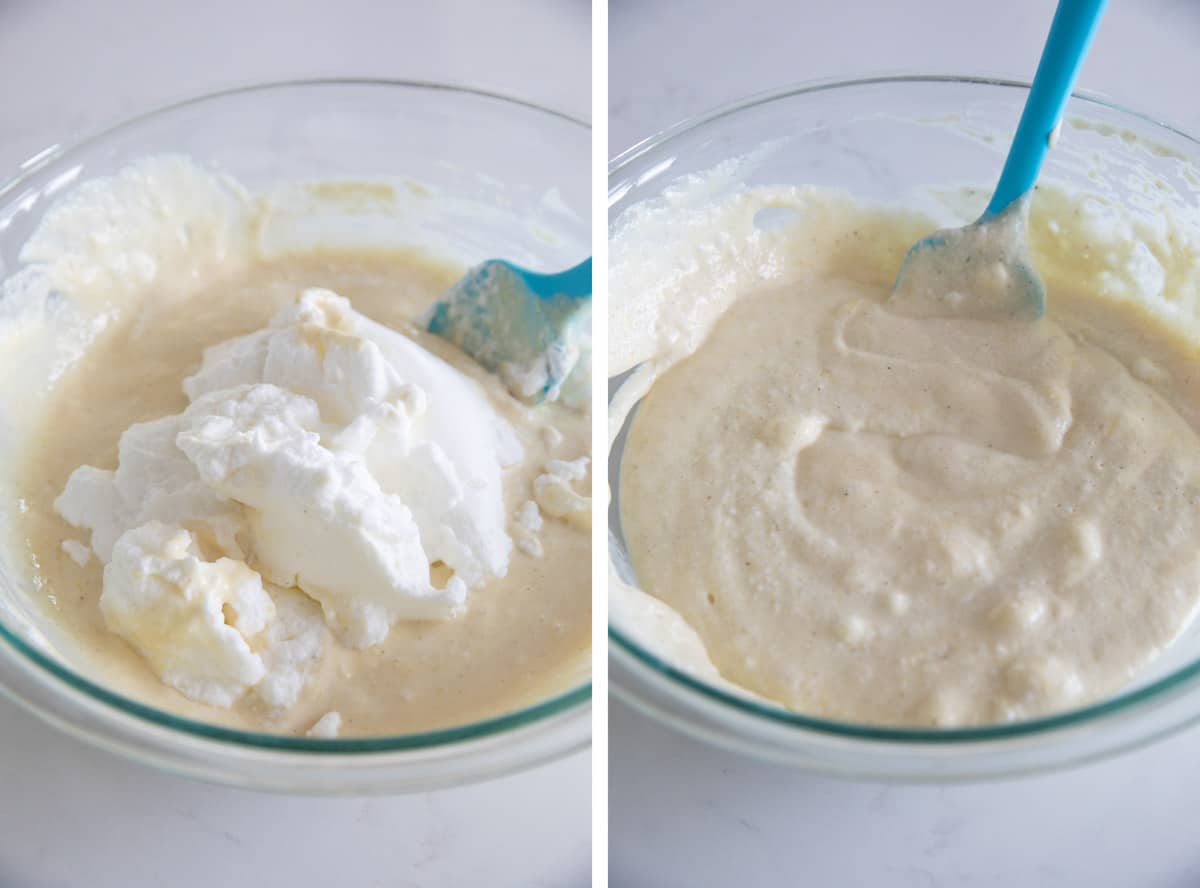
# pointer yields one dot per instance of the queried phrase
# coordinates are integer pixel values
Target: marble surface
(684, 814)
(75, 816)
(72, 816)
(670, 59)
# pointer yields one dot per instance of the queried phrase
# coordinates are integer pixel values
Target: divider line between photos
(599, 443)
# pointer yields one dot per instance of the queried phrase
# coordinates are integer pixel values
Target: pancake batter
(944, 519)
(520, 637)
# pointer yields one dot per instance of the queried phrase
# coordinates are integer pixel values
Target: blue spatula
(988, 261)
(533, 330)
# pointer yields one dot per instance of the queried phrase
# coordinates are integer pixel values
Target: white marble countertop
(73, 816)
(671, 59)
(684, 814)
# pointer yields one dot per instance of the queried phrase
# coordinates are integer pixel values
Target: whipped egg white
(342, 457)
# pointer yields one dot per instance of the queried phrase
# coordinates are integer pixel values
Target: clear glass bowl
(532, 163)
(887, 140)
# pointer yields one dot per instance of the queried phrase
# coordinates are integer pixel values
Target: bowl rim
(975, 736)
(574, 700)
(39, 160)
(826, 84)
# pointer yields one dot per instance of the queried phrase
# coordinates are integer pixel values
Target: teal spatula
(985, 266)
(533, 330)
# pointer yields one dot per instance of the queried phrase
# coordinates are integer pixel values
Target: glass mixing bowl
(474, 149)
(888, 140)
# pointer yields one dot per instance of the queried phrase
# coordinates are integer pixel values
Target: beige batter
(522, 638)
(880, 518)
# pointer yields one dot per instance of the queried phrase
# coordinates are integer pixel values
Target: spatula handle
(1071, 34)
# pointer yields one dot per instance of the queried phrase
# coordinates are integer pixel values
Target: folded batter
(867, 516)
